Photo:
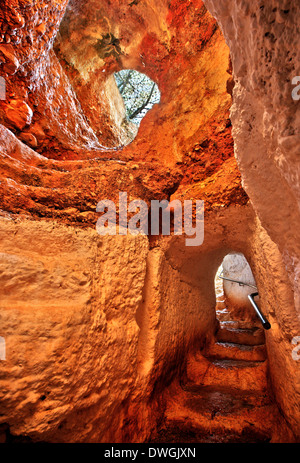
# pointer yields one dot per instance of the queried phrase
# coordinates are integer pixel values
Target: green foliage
(139, 93)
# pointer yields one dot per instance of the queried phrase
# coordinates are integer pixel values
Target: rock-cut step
(207, 414)
(245, 336)
(234, 373)
(233, 351)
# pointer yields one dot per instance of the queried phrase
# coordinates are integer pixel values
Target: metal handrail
(241, 283)
(251, 297)
(263, 320)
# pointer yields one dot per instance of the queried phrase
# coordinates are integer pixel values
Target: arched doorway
(237, 297)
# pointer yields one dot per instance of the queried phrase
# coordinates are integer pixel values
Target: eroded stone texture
(68, 319)
(34, 75)
(18, 114)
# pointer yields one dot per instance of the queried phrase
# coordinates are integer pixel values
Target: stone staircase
(224, 397)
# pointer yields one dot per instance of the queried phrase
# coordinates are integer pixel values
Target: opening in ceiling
(139, 93)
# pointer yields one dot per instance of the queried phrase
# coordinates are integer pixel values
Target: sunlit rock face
(34, 76)
(96, 328)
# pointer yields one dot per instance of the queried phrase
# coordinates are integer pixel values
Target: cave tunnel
(122, 338)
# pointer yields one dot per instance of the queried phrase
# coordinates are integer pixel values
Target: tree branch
(144, 105)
